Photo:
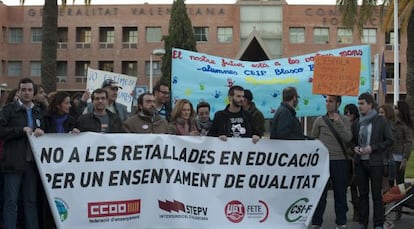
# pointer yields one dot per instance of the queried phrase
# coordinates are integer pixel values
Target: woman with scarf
(183, 120)
(372, 137)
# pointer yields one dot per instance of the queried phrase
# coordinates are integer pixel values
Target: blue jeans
(367, 175)
(339, 176)
(12, 184)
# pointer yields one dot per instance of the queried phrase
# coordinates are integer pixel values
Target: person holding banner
(203, 117)
(372, 137)
(147, 119)
(17, 120)
(334, 131)
(100, 120)
(285, 125)
(112, 87)
(183, 120)
(233, 121)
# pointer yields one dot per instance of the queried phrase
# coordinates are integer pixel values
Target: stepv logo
(114, 208)
(234, 211)
(298, 211)
(62, 208)
(169, 206)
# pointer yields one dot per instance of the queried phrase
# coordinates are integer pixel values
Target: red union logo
(234, 211)
(114, 208)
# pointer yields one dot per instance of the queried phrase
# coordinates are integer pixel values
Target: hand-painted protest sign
(335, 75)
(167, 181)
(95, 79)
(201, 77)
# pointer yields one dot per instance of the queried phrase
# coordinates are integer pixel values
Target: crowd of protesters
(364, 145)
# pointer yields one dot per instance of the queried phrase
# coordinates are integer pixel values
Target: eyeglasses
(165, 92)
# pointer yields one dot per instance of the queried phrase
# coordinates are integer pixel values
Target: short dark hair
(140, 99)
(158, 85)
(203, 104)
(289, 93)
(99, 91)
(353, 109)
(235, 88)
(368, 98)
(338, 98)
(28, 80)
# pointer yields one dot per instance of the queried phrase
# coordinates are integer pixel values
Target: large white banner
(95, 79)
(166, 181)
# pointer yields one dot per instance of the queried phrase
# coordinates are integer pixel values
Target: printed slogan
(107, 180)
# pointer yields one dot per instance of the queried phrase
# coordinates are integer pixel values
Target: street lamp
(156, 52)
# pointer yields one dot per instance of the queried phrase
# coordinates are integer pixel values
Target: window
(14, 68)
(36, 35)
(129, 68)
(345, 36)
(201, 34)
(129, 37)
(153, 34)
(62, 71)
(81, 71)
(106, 66)
(35, 69)
(106, 37)
(4, 34)
(321, 35)
(62, 37)
(83, 37)
(156, 68)
(15, 35)
(297, 35)
(224, 34)
(369, 36)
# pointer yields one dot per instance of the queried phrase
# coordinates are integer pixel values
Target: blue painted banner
(201, 77)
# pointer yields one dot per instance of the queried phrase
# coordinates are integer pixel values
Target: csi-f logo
(235, 211)
(297, 210)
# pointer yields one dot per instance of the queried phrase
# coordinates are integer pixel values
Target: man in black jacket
(100, 119)
(17, 120)
(233, 121)
(285, 125)
(372, 136)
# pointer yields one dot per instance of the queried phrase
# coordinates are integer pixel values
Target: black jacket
(285, 125)
(222, 125)
(381, 140)
(89, 122)
(13, 118)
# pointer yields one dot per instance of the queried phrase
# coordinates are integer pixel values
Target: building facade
(122, 38)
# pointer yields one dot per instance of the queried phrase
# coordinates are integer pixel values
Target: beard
(148, 112)
(237, 103)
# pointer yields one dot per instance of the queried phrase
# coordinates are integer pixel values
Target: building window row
(15, 68)
(344, 35)
(107, 36)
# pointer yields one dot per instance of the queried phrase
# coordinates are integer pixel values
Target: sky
(99, 2)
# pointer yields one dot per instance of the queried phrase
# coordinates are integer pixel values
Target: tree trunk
(410, 63)
(49, 44)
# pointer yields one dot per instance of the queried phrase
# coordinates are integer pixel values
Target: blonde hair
(176, 112)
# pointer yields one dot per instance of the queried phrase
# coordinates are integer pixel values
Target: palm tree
(351, 16)
(49, 42)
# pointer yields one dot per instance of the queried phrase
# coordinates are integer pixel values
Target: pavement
(406, 222)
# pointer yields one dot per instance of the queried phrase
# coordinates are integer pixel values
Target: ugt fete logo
(235, 211)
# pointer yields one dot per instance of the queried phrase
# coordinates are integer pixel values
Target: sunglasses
(349, 112)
